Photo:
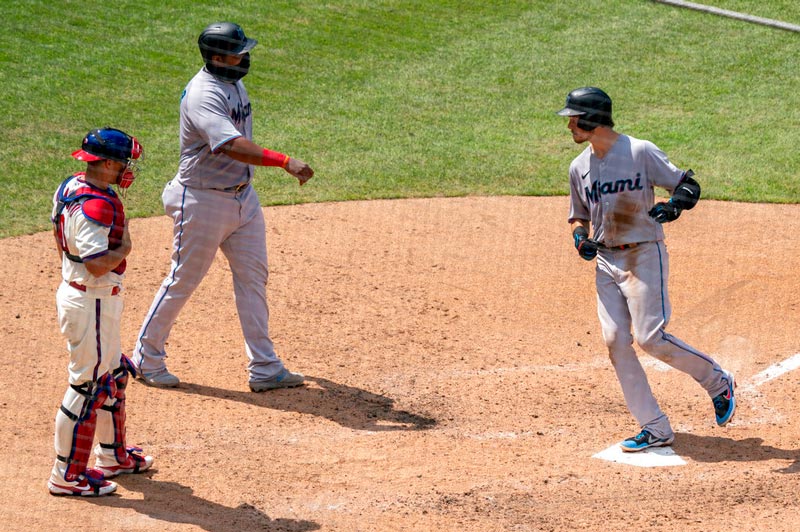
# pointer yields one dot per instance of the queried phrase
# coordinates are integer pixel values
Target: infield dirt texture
(457, 380)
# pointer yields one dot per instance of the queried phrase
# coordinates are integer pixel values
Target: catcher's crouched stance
(93, 241)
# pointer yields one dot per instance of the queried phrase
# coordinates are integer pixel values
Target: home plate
(653, 457)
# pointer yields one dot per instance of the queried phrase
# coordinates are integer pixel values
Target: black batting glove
(665, 211)
(586, 247)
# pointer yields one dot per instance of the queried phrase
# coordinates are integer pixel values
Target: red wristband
(274, 158)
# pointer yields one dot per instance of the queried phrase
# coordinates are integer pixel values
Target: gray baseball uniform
(213, 206)
(615, 194)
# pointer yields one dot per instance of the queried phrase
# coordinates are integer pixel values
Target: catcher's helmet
(224, 38)
(592, 105)
(108, 143)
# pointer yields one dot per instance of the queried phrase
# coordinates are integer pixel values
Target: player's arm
(92, 231)
(102, 264)
(684, 197)
(248, 152)
(687, 193)
(580, 223)
(58, 245)
(579, 213)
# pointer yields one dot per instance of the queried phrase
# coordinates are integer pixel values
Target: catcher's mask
(109, 143)
(226, 38)
(592, 105)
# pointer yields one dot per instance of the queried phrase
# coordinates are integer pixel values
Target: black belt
(625, 246)
(235, 188)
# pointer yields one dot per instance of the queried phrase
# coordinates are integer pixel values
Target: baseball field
(425, 280)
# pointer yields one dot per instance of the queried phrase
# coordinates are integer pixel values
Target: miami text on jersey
(599, 190)
(240, 113)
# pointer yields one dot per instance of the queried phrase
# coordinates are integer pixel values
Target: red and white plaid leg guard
(111, 417)
(76, 425)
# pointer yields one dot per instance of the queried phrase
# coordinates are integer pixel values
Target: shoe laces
(94, 477)
(721, 403)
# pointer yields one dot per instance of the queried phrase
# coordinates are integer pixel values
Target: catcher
(93, 242)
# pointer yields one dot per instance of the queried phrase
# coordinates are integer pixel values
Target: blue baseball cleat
(725, 403)
(644, 440)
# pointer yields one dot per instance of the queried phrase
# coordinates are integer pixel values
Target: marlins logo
(240, 113)
(599, 190)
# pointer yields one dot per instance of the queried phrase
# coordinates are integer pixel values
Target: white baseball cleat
(136, 462)
(90, 484)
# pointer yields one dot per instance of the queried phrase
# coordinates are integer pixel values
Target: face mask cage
(132, 168)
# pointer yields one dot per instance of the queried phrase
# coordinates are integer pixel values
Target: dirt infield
(457, 380)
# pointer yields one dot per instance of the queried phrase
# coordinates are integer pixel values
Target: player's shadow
(346, 405)
(175, 503)
(714, 449)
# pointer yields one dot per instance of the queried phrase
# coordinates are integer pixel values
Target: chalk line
(732, 14)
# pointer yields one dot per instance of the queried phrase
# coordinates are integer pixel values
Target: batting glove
(665, 211)
(586, 247)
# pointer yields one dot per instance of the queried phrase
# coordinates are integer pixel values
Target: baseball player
(92, 240)
(611, 188)
(214, 206)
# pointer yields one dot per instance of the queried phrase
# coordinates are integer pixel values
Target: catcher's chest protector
(100, 206)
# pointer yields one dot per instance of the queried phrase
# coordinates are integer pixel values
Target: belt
(625, 246)
(82, 288)
(235, 188)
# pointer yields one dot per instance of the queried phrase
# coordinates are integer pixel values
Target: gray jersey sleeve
(661, 171)
(578, 176)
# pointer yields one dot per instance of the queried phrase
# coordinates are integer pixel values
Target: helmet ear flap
(136, 149)
(585, 124)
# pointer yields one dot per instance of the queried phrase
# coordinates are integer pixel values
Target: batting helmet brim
(568, 111)
(249, 45)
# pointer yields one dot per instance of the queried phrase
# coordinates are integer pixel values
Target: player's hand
(664, 211)
(300, 170)
(586, 247)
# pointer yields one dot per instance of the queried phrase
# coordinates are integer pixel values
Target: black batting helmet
(224, 38)
(592, 105)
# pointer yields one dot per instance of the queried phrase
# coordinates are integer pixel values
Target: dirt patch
(457, 380)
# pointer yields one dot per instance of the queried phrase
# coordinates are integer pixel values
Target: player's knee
(617, 339)
(653, 345)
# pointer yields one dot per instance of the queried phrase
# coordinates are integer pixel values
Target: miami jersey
(616, 192)
(212, 113)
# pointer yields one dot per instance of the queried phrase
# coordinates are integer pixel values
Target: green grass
(401, 98)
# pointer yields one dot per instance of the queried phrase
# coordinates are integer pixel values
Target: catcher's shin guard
(75, 426)
(111, 418)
